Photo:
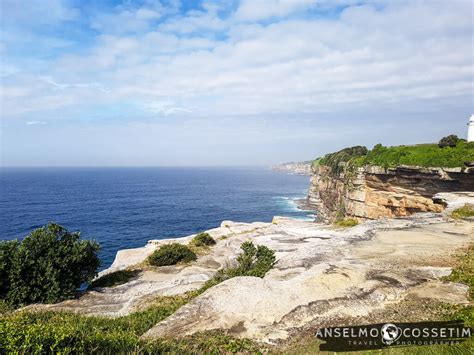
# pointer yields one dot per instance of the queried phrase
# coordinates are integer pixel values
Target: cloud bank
(298, 75)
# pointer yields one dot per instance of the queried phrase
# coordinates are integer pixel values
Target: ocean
(125, 207)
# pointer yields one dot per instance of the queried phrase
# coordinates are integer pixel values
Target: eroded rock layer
(375, 192)
(322, 274)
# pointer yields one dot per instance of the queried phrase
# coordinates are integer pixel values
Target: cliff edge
(349, 183)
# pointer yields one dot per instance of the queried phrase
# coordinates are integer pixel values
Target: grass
(114, 279)
(347, 222)
(463, 212)
(70, 333)
(463, 271)
(424, 155)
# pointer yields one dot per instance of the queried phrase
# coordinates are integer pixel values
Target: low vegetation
(114, 279)
(253, 261)
(337, 160)
(449, 141)
(347, 222)
(47, 266)
(69, 333)
(66, 333)
(425, 155)
(203, 240)
(450, 152)
(463, 212)
(463, 271)
(171, 254)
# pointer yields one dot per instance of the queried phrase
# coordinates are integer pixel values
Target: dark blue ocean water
(125, 207)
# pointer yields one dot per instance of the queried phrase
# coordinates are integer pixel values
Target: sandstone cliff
(374, 192)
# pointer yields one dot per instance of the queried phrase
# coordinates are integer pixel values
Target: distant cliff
(346, 184)
(298, 168)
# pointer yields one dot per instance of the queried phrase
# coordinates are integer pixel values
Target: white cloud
(34, 123)
(370, 56)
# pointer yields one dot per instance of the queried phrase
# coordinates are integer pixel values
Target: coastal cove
(123, 208)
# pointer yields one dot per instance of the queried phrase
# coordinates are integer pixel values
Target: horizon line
(134, 166)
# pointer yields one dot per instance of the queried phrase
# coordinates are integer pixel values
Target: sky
(211, 83)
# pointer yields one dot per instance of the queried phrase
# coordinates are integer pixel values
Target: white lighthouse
(470, 129)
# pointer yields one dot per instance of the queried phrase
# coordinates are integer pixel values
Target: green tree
(48, 266)
(448, 141)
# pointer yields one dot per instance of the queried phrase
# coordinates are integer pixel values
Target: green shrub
(253, 261)
(347, 222)
(48, 266)
(65, 332)
(463, 212)
(203, 239)
(7, 258)
(345, 155)
(171, 254)
(114, 279)
(448, 141)
(4, 307)
(425, 155)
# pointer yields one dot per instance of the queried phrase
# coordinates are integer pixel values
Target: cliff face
(374, 192)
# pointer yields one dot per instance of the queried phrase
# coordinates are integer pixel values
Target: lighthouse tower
(470, 129)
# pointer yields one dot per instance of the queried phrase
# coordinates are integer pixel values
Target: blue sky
(251, 82)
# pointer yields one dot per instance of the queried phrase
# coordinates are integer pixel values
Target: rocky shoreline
(297, 168)
(323, 275)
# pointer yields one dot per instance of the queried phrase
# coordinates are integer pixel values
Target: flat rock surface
(322, 273)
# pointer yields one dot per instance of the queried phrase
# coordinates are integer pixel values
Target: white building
(470, 129)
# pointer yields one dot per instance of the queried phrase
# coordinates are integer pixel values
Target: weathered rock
(321, 274)
(374, 192)
(326, 274)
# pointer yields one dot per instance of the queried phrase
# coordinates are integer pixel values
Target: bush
(65, 332)
(203, 239)
(171, 254)
(48, 266)
(463, 212)
(114, 279)
(253, 261)
(345, 155)
(7, 253)
(448, 141)
(347, 222)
